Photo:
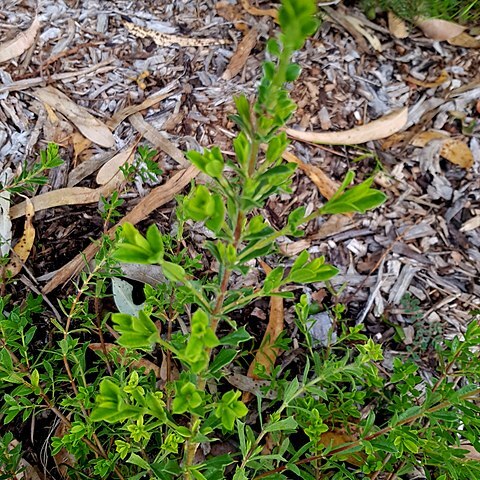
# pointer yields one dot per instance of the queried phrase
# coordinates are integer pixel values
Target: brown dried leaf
(267, 353)
(438, 29)
(91, 127)
(112, 167)
(80, 143)
(24, 246)
(147, 103)
(336, 438)
(63, 459)
(442, 78)
(270, 12)
(397, 26)
(423, 138)
(464, 40)
(240, 57)
(375, 130)
(457, 152)
(22, 42)
(324, 183)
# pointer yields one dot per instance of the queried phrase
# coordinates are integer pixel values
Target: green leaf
(136, 332)
(285, 424)
(235, 338)
(293, 72)
(174, 272)
(200, 205)
(224, 357)
(359, 198)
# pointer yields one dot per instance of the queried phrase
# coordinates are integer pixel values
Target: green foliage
(126, 418)
(31, 176)
(463, 11)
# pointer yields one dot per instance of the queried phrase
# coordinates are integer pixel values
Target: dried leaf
(5, 221)
(24, 246)
(112, 167)
(457, 152)
(337, 438)
(438, 29)
(270, 12)
(91, 127)
(442, 78)
(147, 103)
(326, 186)
(63, 458)
(397, 26)
(464, 40)
(375, 130)
(240, 57)
(123, 297)
(136, 364)
(471, 224)
(267, 353)
(423, 138)
(22, 42)
(57, 198)
(80, 143)
(159, 139)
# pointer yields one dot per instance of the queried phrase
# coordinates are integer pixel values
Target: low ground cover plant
(337, 413)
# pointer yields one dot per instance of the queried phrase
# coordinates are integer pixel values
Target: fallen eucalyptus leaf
(375, 130)
(22, 42)
(438, 29)
(457, 152)
(91, 127)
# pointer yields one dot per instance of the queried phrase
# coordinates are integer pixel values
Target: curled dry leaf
(457, 152)
(267, 353)
(438, 29)
(397, 26)
(91, 127)
(442, 78)
(24, 40)
(270, 12)
(336, 438)
(112, 167)
(375, 130)
(324, 183)
(24, 246)
(5, 221)
(422, 138)
(240, 57)
(63, 459)
(372, 39)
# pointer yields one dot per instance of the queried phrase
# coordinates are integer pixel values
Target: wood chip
(241, 55)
